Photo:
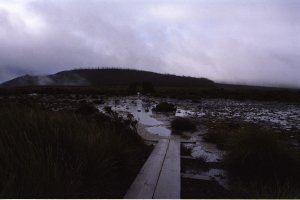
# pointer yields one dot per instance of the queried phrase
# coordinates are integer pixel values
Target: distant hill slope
(108, 77)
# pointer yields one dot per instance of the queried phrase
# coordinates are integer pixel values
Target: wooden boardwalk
(159, 178)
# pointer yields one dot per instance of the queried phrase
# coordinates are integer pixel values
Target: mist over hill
(108, 77)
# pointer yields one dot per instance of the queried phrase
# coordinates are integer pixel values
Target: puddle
(210, 155)
(205, 150)
(218, 175)
(197, 169)
(213, 174)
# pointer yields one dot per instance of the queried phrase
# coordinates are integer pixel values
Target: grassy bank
(47, 154)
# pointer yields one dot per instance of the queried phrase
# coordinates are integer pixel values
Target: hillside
(108, 77)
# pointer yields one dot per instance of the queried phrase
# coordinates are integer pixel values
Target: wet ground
(153, 125)
(157, 125)
(269, 114)
(272, 114)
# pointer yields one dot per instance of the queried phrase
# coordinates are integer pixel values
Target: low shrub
(183, 124)
(165, 107)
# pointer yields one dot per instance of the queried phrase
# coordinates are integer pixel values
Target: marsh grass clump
(261, 190)
(258, 157)
(219, 132)
(183, 124)
(258, 153)
(165, 107)
(46, 154)
(185, 151)
(86, 109)
(261, 162)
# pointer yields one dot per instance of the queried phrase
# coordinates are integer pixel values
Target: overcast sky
(252, 42)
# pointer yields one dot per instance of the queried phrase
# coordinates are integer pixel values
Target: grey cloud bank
(251, 42)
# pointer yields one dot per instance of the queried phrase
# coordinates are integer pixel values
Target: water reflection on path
(141, 110)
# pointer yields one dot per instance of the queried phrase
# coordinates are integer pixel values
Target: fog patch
(44, 80)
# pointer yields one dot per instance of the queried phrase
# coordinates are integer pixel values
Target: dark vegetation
(184, 151)
(46, 154)
(219, 132)
(146, 88)
(224, 91)
(262, 151)
(183, 124)
(165, 107)
(86, 109)
(133, 88)
(262, 163)
(196, 94)
(66, 90)
(195, 189)
(262, 166)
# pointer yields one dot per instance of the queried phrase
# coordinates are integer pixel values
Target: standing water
(142, 112)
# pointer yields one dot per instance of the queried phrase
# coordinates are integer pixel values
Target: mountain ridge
(107, 77)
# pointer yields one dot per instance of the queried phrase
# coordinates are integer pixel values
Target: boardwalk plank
(168, 186)
(144, 185)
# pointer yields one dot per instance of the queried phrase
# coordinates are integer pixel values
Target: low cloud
(251, 42)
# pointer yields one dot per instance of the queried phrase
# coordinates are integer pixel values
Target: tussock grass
(63, 155)
(259, 190)
(263, 165)
(183, 124)
(185, 151)
(258, 153)
(165, 107)
(219, 132)
(86, 108)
